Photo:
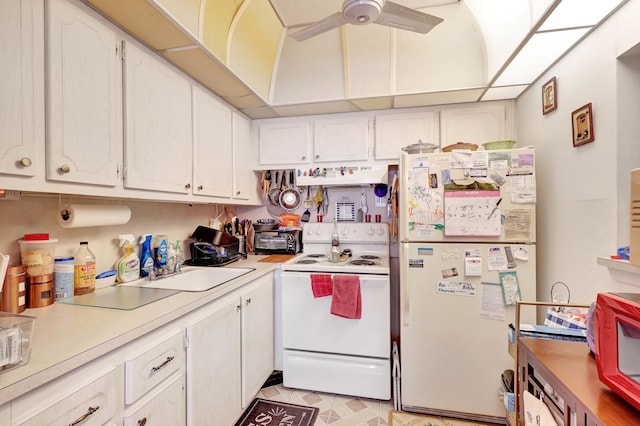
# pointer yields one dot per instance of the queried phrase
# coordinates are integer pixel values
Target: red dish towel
(321, 285)
(346, 301)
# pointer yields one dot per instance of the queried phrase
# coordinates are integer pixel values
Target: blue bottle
(146, 257)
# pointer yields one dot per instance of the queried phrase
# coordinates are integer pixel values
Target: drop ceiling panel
(369, 61)
(186, 12)
(368, 104)
(316, 108)
(310, 71)
(208, 71)
(438, 98)
(145, 22)
(452, 55)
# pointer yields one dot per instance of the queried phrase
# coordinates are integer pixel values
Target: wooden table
(570, 369)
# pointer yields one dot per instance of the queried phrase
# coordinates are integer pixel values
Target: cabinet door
(395, 131)
(164, 407)
(21, 87)
(257, 337)
(213, 365)
(212, 146)
(84, 105)
(93, 404)
(341, 139)
(477, 124)
(284, 142)
(245, 181)
(158, 143)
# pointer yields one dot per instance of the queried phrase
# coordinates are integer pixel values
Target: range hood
(342, 176)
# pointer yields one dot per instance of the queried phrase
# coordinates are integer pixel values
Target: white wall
(38, 214)
(580, 189)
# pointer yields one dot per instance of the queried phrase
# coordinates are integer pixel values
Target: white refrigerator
(467, 253)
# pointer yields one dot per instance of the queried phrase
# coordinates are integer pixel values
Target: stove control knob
(319, 231)
(380, 231)
(371, 231)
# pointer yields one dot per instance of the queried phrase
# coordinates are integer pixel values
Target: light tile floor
(335, 410)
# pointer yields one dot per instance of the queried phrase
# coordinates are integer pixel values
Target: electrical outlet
(9, 195)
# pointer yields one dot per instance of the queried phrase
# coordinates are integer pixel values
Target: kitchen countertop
(67, 336)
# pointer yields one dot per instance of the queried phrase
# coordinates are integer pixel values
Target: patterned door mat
(401, 418)
(262, 411)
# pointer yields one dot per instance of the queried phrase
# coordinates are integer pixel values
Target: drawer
(152, 365)
(162, 406)
(93, 404)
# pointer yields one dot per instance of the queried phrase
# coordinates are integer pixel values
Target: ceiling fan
(362, 12)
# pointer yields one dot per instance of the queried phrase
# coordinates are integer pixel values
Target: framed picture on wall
(549, 96)
(582, 125)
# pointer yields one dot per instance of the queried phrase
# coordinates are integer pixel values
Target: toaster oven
(277, 242)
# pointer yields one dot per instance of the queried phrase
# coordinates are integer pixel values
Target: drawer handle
(83, 417)
(142, 421)
(166, 361)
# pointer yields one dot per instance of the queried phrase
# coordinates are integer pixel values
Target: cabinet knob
(317, 157)
(200, 187)
(142, 421)
(187, 186)
(238, 307)
(65, 168)
(237, 192)
(25, 161)
(248, 301)
(304, 157)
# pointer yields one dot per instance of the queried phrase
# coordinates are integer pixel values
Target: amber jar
(14, 293)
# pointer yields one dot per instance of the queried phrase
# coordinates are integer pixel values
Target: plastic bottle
(171, 258)
(146, 257)
(84, 270)
(179, 257)
(160, 254)
(335, 244)
(128, 266)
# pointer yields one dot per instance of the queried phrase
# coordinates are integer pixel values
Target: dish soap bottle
(128, 266)
(335, 244)
(179, 257)
(84, 270)
(146, 258)
(160, 254)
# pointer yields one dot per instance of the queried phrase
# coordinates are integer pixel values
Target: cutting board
(277, 258)
(120, 297)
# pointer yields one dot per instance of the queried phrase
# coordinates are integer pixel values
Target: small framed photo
(582, 125)
(549, 96)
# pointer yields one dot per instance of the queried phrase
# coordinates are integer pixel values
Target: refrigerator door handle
(406, 307)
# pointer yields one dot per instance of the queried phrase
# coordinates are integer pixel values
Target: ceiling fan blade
(322, 26)
(398, 16)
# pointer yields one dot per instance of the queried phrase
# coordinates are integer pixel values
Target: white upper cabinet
(341, 139)
(395, 131)
(285, 142)
(84, 103)
(244, 179)
(474, 124)
(158, 142)
(212, 146)
(22, 87)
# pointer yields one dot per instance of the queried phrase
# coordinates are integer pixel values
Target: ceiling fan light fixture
(360, 12)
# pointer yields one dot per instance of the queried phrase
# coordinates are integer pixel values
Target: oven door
(308, 325)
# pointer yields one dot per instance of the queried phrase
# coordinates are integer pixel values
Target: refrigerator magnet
(473, 266)
(510, 287)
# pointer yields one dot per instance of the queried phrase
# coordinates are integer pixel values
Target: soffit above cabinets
(241, 50)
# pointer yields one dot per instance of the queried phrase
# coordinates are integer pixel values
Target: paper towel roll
(84, 215)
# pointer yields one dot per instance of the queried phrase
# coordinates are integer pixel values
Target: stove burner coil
(318, 255)
(370, 257)
(306, 261)
(362, 262)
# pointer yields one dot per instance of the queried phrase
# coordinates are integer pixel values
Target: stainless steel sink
(192, 279)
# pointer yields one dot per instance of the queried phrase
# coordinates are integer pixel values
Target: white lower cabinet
(229, 354)
(163, 406)
(89, 400)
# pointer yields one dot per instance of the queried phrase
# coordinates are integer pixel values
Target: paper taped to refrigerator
(472, 213)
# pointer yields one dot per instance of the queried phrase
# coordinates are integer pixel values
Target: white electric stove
(328, 353)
